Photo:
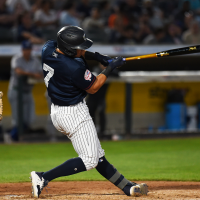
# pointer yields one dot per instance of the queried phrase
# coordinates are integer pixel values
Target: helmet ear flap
(69, 51)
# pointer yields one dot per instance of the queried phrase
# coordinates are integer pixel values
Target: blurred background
(144, 99)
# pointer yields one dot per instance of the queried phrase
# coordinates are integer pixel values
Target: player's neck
(59, 51)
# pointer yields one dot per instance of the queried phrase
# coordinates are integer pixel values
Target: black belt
(82, 101)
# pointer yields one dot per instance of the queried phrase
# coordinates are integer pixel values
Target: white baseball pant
(76, 123)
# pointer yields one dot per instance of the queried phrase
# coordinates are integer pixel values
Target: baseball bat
(171, 52)
(1, 105)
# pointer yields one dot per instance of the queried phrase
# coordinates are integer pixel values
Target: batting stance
(68, 80)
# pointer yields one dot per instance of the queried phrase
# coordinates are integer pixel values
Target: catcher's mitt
(1, 105)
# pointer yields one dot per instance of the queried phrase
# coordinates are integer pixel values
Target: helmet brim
(85, 45)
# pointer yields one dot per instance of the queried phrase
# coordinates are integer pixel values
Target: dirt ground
(101, 190)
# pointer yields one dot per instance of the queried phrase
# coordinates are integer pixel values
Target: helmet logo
(84, 37)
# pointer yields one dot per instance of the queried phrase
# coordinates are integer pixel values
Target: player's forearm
(100, 80)
(103, 59)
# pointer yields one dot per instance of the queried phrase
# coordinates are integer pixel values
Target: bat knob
(1, 94)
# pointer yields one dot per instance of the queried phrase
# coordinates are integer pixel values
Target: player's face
(79, 53)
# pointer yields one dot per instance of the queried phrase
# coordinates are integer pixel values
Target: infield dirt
(101, 190)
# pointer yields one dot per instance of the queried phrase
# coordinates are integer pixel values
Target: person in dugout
(23, 66)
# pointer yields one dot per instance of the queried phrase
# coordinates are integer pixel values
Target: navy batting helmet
(70, 38)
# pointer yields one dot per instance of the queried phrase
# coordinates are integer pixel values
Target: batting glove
(116, 62)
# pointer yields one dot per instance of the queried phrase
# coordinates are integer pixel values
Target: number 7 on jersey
(50, 73)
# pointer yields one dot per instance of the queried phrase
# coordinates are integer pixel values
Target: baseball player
(68, 80)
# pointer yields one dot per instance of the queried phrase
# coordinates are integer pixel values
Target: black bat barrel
(179, 51)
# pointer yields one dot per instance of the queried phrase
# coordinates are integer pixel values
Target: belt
(82, 101)
(56, 104)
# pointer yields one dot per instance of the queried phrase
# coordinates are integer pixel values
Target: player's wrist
(107, 71)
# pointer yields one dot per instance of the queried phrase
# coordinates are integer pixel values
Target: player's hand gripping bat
(1, 105)
(172, 52)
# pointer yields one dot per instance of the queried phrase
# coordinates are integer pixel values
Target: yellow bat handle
(154, 55)
(1, 105)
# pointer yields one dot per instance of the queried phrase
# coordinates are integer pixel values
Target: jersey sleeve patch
(87, 75)
(83, 78)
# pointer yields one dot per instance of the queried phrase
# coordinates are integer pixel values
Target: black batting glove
(113, 64)
(117, 62)
(103, 59)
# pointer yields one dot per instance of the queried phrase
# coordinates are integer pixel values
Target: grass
(171, 159)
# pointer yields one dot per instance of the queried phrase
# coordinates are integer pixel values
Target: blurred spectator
(13, 3)
(6, 18)
(6, 22)
(105, 8)
(167, 8)
(127, 36)
(158, 37)
(23, 66)
(174, 34)
(188, 19)
(194, 5)
(84, 8)
(46, 19)
(94, 26)
(69, 15)
(117, 23)
(118, 20)
(180, 14)
(27, 31)
(155, 14)
(192, 36)
(35, 5)
(97, 103)
(58, 5)
(19, 9)
(123, 21)
(143, 28)
(131, 8)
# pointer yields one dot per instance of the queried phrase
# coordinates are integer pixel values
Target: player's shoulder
(76, 65)
(49, 44)
(48, 48)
